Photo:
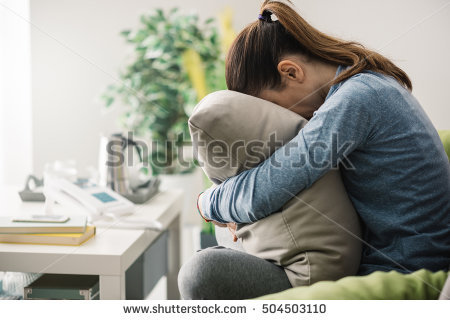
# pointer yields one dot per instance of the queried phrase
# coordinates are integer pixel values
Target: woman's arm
(337, 128)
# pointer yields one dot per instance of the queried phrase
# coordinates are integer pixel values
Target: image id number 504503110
(293, 308)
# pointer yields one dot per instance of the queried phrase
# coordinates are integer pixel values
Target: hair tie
(264, 18)
(267, 16)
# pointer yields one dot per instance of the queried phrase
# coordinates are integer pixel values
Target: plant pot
(207, 240)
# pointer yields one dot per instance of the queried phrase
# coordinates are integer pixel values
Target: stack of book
(73, 231)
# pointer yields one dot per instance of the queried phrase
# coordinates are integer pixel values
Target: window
(15, 92)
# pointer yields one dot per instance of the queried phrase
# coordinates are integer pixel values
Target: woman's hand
(231, 225)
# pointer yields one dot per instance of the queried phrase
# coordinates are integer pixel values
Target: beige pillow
(315, 236)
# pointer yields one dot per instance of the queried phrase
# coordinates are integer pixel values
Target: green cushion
(445, 137)
(420, 285)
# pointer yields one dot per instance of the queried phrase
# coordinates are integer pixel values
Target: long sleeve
(341, 124)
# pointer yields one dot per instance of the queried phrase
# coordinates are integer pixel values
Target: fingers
(222, 225)
(232, 227)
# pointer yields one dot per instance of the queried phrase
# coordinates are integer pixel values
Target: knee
(198, 276)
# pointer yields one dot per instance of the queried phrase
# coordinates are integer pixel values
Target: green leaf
(125, 33)
(155, 87)
(109, 100)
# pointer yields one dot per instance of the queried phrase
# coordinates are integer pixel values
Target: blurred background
(73, 71)
(58, 57)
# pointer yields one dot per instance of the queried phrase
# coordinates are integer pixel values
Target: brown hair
(252, 60)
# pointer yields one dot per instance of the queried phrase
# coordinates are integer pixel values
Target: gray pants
(221, 273)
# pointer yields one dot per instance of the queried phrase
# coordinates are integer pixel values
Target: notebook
(70, 239)
(76, 224)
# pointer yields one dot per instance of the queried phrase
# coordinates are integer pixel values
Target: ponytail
(253, 58)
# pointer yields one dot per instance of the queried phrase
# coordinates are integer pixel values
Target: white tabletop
(111, 251)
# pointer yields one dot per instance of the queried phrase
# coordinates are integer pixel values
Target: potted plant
(177, 60)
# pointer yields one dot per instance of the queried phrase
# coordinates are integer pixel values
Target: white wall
(76, 52)
(15, 91)
(414, 34)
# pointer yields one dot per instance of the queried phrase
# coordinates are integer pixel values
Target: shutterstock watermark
(216, 153)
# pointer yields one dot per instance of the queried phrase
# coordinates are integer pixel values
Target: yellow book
(67, 239)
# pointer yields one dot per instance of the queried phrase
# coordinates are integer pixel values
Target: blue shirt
(393, 166)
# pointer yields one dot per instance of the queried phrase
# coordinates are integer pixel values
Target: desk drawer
(63, 287)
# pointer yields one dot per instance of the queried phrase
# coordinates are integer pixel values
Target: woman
(364, 119)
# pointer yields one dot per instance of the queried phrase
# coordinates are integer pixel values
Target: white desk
(109, 254)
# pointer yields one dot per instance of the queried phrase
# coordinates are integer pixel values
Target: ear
(290, 70)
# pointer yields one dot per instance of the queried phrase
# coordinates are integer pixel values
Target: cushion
(315, 235)
(445, 138)
(379, 285)
(445, 293)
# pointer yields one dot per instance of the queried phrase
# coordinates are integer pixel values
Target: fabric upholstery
(379, 285)
(315, 236)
